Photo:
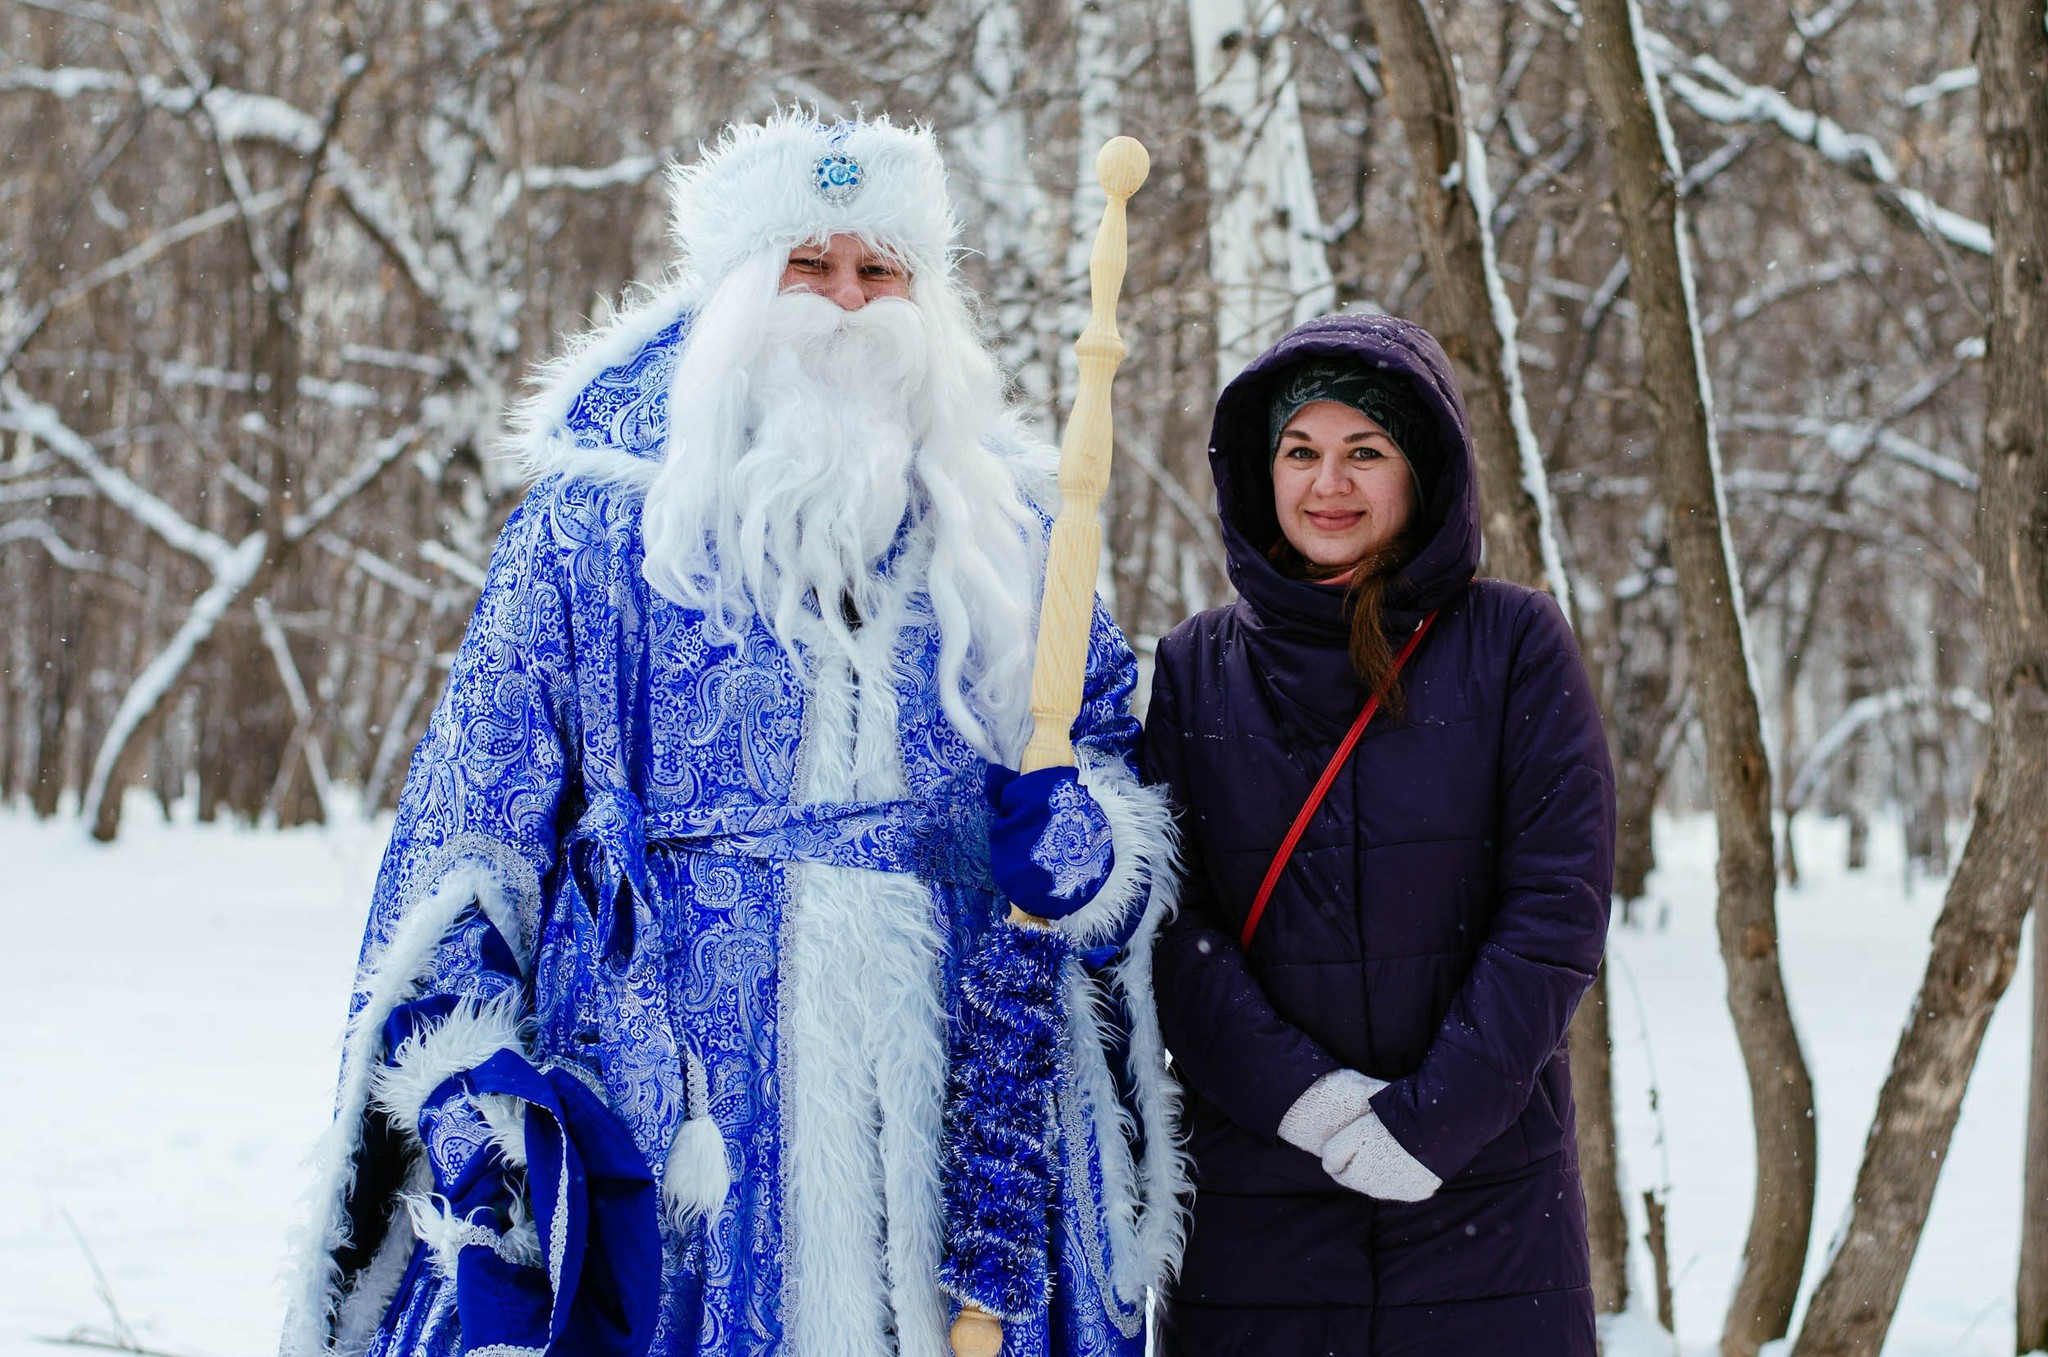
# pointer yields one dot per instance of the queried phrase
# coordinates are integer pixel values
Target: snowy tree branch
(454, 562)
(1848, 440)
(61, 487)
(623, 172)
(302, 743)
(379, 569)
(27, 415)
(1865, 711)
(232, 170)
(1717, 94)
(1947, 83)
(64, 554)
(1791, 283)
(382, 454)
(154, 683)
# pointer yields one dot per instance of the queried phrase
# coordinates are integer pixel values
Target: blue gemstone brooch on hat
(837, 178)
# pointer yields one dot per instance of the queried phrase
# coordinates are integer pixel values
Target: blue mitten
(570, 1264)
(1048, 841)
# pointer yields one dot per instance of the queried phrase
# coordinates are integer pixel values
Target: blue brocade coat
(576, 949)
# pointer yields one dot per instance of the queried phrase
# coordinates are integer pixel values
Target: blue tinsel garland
(998, 1121)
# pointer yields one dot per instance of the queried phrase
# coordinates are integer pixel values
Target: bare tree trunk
(1675, 386)
(1422, 82)
(1660, 1259)
(2005, 863)
(2033, 1282)
(1592, 1053)
(1423, 87)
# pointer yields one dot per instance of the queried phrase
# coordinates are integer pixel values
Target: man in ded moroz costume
(649, 1042)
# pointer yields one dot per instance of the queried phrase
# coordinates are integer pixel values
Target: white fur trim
(493, 874)
(1144, 1202)
(863, 1034)
(601, 466)
(1092, 1117)
(506, 1116)
(371, 1290)
(539, 437)
(863, 1054)
(1141, 831)
(446, 1235)
(754, 187)
(1326, 1107)
(313, 1287)
(470, 1034)
(1366, 1158)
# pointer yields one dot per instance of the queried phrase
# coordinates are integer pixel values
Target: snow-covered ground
(172, 1003)
(1854, 947)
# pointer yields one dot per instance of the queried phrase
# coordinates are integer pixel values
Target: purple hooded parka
(1436, 926)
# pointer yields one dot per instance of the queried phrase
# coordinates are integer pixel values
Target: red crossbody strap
(1322, 787)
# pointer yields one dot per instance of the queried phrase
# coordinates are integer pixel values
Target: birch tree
(1675, 385)
(1009, 211)
(1266, 255)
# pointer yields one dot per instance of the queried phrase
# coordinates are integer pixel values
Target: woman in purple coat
(1378, 1103)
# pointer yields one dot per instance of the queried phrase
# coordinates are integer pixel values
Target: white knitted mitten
(1329, 1105)
(1366, 1158)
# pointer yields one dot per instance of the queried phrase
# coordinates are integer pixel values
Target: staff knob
(1121, 166)
(977, 1333)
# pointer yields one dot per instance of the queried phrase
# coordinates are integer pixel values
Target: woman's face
(1341, 487)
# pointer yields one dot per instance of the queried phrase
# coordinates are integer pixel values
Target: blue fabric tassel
(999, 1121)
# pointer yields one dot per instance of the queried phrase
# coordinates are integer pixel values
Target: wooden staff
(1066, 614)
(1068, 609)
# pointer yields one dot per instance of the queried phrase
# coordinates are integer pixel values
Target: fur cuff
(471, 1034)
(446, 1235)
(1141, 831)
(1329, 1105)
(1366, 1158)
(470, 869)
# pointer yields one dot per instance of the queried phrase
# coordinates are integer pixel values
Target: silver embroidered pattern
(1075, 847)
(837, 178)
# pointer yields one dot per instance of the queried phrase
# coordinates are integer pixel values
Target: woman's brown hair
(1372, 659)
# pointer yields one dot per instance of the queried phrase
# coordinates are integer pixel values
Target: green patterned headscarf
(1383, 397)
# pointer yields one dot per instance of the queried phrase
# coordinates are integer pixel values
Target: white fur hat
(794, 179)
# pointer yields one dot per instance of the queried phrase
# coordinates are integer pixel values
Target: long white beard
(822, 491)
(809, 443)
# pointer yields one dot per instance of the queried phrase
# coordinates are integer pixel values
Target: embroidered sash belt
(937, 841)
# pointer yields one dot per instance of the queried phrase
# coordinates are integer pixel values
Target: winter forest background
(271, 271)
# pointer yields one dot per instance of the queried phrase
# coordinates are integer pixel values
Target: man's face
(845, 272)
